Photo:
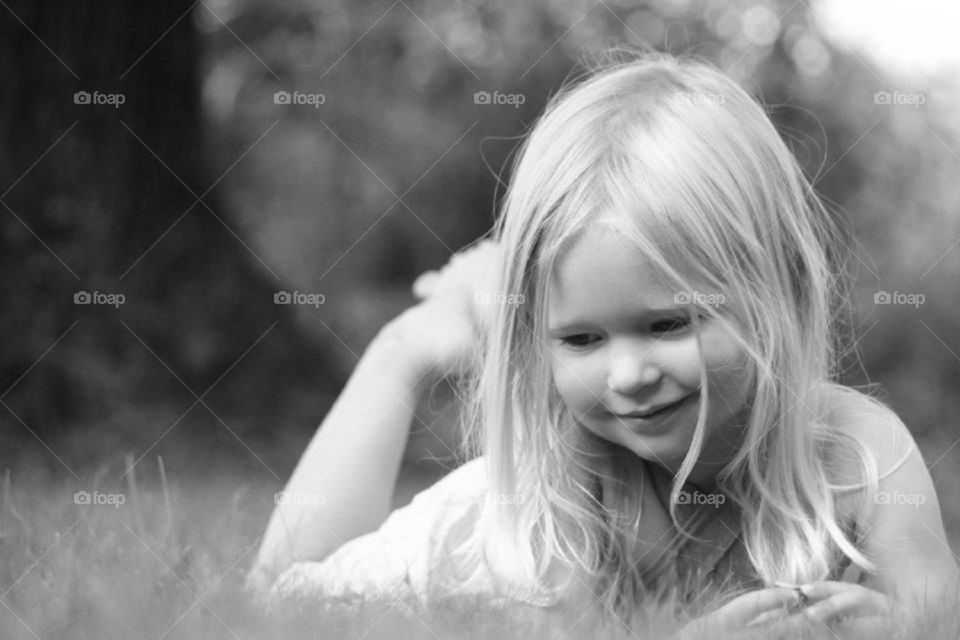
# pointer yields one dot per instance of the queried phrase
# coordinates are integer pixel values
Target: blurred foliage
(397, 168)
(98, 198)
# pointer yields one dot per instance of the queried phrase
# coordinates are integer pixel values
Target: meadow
(156, 558)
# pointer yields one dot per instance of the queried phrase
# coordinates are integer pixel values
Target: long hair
(689, 167)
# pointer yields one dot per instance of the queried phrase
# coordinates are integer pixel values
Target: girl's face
(625, 358)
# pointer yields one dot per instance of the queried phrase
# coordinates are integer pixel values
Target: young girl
(652, 395)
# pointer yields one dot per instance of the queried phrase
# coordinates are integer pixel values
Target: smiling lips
(651, 413)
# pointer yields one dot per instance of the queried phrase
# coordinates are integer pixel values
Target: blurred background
(210, 207)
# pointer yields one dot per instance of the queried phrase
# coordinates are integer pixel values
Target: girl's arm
(343, 485)
(905, 535)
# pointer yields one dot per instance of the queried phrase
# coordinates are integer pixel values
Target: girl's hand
(853, 611)
(832, 600)
(743, 610)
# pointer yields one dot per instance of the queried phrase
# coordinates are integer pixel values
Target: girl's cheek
(729, 373)
(684, 365)
(576, 384)
(722, 351)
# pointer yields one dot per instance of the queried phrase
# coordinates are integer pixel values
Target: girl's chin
(665, 452)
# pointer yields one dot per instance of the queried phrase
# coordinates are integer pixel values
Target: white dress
(399, 559)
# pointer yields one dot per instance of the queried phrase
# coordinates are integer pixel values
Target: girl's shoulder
(860, 423)
(866, 442)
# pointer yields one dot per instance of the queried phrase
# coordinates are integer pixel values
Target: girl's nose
(631, 372)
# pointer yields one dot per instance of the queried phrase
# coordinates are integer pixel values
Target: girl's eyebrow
(660, 312)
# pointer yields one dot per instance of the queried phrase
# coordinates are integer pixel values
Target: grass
(169, 562)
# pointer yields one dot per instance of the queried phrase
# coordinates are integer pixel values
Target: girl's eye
(580, 340)
(672, 325)
(679, 325)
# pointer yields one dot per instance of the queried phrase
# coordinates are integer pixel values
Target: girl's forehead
(601, 241)
(601, 259)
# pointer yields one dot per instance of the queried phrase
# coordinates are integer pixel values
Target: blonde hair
(694, 173)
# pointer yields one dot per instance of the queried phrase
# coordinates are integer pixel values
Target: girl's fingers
(878, 602)
(746, 608)
(826, 588)
(830, 608)
(847, 600)
(820, 590)
(858, 606)
(766, 618)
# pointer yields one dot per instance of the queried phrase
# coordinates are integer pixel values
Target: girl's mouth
(656, 414)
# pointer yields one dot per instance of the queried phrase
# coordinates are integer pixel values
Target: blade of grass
(166, 498)
(134, 494)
